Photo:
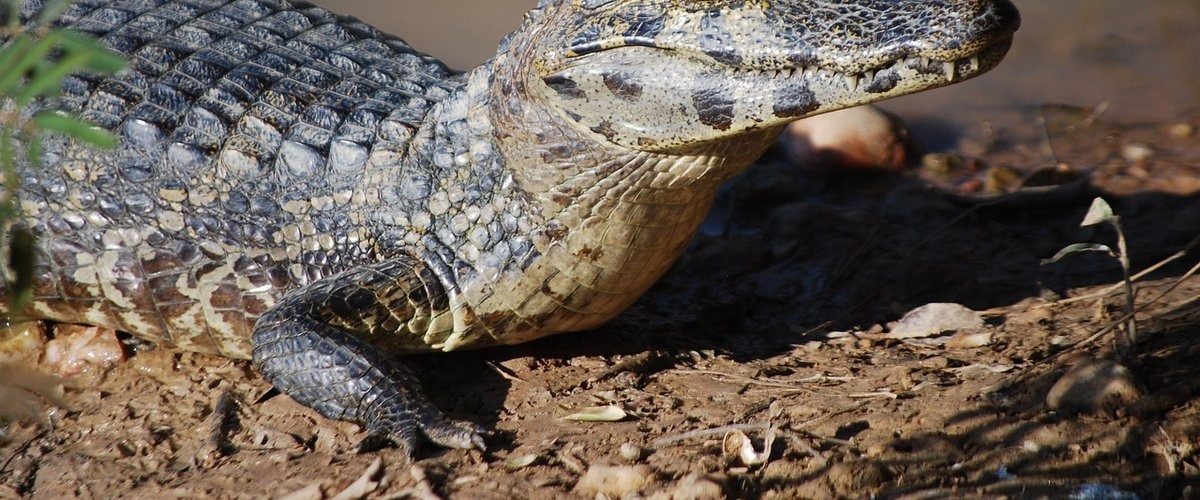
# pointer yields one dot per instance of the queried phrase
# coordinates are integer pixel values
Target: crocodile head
(666, 75)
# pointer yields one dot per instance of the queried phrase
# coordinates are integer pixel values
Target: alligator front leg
(321, 345)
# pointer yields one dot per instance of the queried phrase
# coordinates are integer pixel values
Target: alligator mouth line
(951, 70)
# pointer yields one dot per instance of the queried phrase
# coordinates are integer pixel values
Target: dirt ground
(773, 325)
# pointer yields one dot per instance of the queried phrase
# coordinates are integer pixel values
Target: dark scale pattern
(229, 117)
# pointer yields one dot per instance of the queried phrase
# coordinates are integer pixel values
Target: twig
(504, 373)
(779, 385)
(873, 395)
(712, 431)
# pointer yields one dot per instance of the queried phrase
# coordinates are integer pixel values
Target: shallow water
(1142, 57)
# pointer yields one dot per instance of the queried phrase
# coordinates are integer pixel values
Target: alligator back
(245, 128)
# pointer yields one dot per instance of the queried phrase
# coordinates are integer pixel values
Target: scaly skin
(299, 189)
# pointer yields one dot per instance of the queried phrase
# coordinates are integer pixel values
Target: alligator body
(298, 188)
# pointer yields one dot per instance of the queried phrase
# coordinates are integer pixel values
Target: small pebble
(631, 452)
(1136, 152)
(1181, 130)
(613, 481)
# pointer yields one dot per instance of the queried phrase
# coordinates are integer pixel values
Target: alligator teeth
(924, 61)
(974, 63)
(948, 68)
(852, 81)
(870, 76)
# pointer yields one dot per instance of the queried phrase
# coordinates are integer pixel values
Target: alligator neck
(605, 222)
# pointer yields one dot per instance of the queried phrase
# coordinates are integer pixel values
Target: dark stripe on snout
(714, 107)
(565, 87)
(794, 99)
(623, 85)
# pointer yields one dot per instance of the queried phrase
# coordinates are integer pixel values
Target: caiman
(300, 189)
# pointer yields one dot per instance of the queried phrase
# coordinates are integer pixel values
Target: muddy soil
(775, 325)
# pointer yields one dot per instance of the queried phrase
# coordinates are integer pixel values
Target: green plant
(35, 57)
(1102, 213)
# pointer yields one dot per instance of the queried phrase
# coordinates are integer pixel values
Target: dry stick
(714, 431)
(777, 385)
(1046, 140)
(504, 372)
(711, 431)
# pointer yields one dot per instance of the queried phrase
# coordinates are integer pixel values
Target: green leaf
(10, 13)
(27, 60)
(100, 59)
(610, 413)
(521, 462)
(75, 128)
(1099, 212)
(51, 9)
(9, 53)
(1078, 248)
(33, 148)
(45, 83)
(20, 260)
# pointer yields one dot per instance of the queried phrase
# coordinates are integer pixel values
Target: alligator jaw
(807, 91)
(884, 77)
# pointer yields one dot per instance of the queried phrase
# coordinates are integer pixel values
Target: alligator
(297, 188)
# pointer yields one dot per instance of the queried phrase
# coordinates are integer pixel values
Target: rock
(23, 341)
(78, 349)
(863, 137)
(855, 478)
(1181, 130)
(1137, 152)
(631, 452)
(1092, 386)
(613, 481)
(933, 319)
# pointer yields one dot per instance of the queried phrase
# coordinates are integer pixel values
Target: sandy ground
(774, 324)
